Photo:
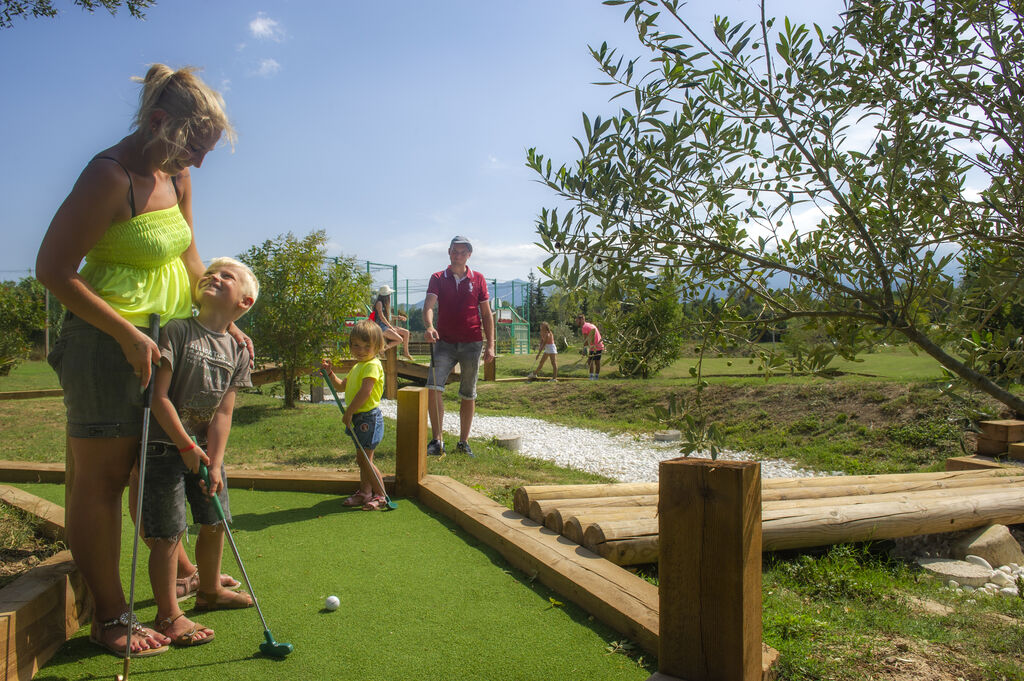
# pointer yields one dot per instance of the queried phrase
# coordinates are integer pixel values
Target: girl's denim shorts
(102, 394)
(369, 427)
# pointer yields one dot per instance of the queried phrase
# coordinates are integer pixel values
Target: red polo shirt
(458, 305)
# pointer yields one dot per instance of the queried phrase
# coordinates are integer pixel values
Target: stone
(668, 435)
(1008, 591)
(509, 441)
(1000, 578)
(978, 560)
(994, 543)
(960, 571)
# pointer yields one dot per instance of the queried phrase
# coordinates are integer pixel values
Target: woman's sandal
(357, 499)
(186, 639)
(186, 587)
(377, 503)
(134, 629)
(236, 601)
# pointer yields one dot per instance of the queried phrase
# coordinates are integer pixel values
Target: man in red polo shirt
(464, 319)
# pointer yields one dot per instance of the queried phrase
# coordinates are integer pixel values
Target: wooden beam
(709, 570)
(910, 485)
(391, 374)
(975, 464)
(529, 493)
(1005, 430)
(29, 471)
(30, 394)
(39, 611)
(50, 514)
(411, 441)
(539, 509)
(324, 482)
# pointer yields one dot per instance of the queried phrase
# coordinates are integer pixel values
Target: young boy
(193, 397)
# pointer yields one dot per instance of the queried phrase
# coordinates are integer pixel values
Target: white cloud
(493, 163)
(225, 85)
(265, 28)
(268, 67)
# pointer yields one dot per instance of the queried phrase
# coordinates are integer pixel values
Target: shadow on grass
(81, 648)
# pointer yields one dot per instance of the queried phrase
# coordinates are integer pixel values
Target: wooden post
(709, 569)
(391, 374)
(490, 370)
(411, 441)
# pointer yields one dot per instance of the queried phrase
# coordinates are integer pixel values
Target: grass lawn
(419, 600)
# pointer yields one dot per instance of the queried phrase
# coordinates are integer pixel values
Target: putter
(390, 504)
(269, 646)
(147, 401)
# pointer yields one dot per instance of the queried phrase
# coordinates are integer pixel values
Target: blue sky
(391, 125)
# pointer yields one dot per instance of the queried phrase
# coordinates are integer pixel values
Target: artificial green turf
(419, 600)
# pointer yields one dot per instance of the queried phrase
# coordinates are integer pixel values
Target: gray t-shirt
(204, 365)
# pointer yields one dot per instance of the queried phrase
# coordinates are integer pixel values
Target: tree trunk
(974, 378)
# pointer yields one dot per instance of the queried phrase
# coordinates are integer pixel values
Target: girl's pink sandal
(377, 503)
(358, 499)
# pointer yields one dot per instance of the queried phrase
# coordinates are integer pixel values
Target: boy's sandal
(358, 499)
(186, 587)
(237, 600)
(186, 639)
(134, 629)
(377, 503)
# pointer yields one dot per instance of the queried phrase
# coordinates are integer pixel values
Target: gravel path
(626, 458)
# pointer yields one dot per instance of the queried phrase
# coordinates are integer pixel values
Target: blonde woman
(129, 216)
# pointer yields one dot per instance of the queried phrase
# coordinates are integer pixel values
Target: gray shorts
(443, 360)
(102, 395)
(168, 484)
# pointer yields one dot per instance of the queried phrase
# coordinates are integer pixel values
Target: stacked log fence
(618, 521)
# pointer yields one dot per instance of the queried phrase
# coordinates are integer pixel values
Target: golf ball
(332, 603)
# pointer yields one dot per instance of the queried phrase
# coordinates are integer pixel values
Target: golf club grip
(154, 333)
(204, 473)
(334, 392)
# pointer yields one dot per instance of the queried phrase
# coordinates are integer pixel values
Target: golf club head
(392, 505)
(273, 648)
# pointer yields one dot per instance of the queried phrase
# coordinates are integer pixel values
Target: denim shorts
(443, 360)
(102, 394)
(168, 484)
(369, 428)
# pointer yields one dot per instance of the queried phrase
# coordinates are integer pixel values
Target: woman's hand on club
(142, 353)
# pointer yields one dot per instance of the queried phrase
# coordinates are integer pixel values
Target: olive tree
(9, 9)
(842, 178)
(303, 302)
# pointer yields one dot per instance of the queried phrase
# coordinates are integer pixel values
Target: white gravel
(626, 458)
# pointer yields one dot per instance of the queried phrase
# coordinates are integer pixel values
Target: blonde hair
(367, 331)
(248, 285)
(193, 109)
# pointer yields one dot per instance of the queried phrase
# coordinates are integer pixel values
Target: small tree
(900, 129)
(304, 300)
(22, 316)
(646, 334)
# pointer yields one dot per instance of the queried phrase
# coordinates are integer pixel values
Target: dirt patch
(907, 660)
(21, 548)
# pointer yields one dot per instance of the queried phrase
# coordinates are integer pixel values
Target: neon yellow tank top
(136, 267)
